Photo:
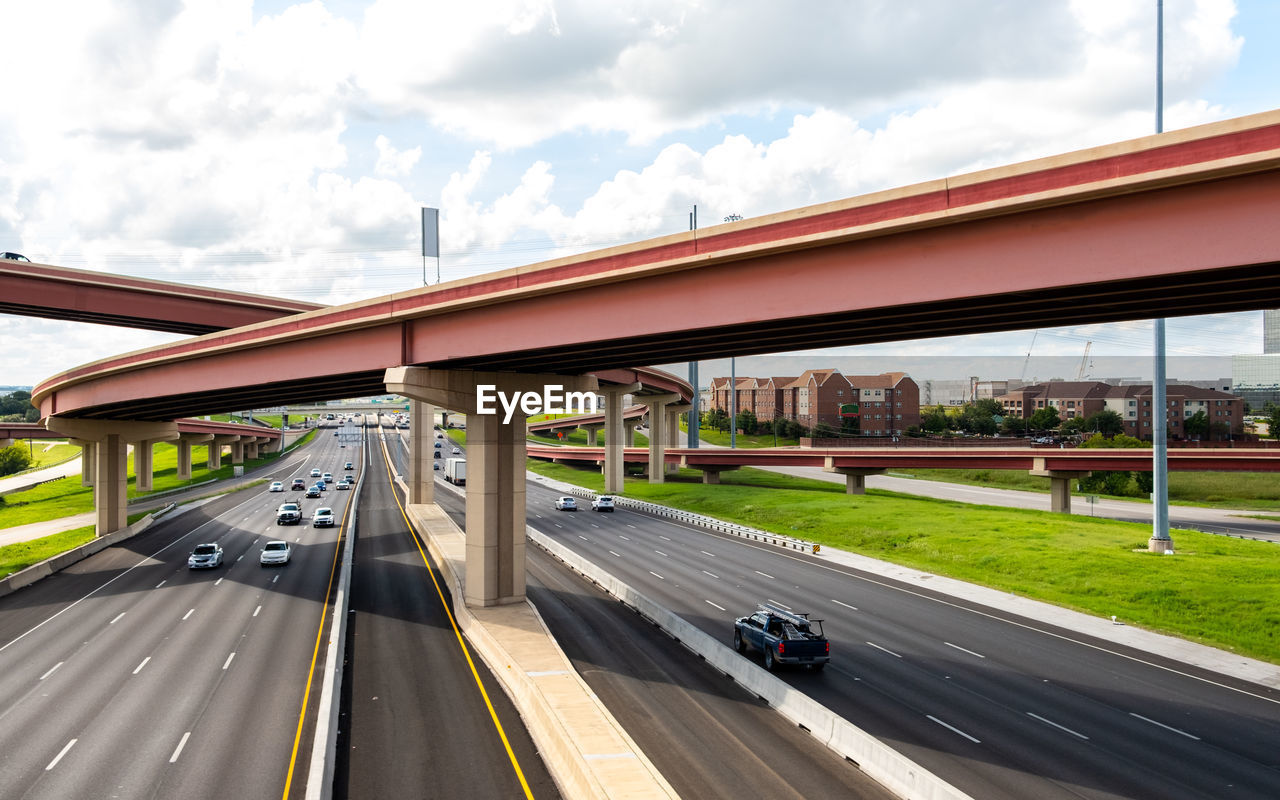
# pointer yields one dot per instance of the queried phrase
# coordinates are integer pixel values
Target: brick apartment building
(888, 403)
(1082, 399)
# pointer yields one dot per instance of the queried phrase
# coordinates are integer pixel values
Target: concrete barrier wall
(61, 561)
(895, 771)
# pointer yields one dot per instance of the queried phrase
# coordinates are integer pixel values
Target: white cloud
(393, 163)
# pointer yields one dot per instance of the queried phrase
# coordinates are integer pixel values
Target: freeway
(999, 705)
(130, 675)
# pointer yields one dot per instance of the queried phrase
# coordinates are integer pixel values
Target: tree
(823, 431)
(1014, 425)
(1196, 425)
(936, 420)
(14, 458)
(851, 425)
(1045, 419)
(1272, 414)
(17, 406)
(746, 421)
(989, 406)
(1071, 425)
(1105, 422)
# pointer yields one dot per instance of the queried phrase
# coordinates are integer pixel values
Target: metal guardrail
(690, 518)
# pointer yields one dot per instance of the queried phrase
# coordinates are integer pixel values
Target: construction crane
(1084, 362)
(1023, 378)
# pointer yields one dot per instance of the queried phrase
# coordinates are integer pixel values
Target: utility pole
(1160, 541)
(695, 414)
(430, 240)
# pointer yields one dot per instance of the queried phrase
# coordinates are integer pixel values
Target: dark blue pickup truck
(783, 637)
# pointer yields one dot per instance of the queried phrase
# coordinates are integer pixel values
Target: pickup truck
(783, 637)
(288, 514)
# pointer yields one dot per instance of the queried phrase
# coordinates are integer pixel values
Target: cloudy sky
(286, 148)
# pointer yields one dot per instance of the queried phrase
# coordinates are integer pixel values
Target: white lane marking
(878, 647)
(1056, 725)
(557, 524)
(583, 538)
(664, 555)
(708, 602)
(664, 538)
(297, 539)
(539, 516)
(1166, 727)
(189, 613)
(767, 575)
(181, 744)
(619, 555)
(846, 605)
(227, 663)
(705, 553)
(60, 754)
(241, 557)
(276, 578)
(117, 619)
(656, 575)
(629, 525)
(162, 583)
(953, 729)
(620, 536)
(717, 577)
(594, 525)
(52, 670)
(776, 603)
(256, 610)
(140, 666)
(218, 581)
(962, 650)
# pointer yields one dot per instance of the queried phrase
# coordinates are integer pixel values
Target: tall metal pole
(1160, 542)
(695, 414)
(733, 404)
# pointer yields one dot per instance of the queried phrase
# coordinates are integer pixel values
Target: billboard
(848, 410)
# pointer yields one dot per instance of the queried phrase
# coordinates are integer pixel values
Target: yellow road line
(315, 653)
(493, 715)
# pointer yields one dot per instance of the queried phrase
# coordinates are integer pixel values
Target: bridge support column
(591, 430)
(710, 472)
(614, 458)
(629, 437)
(673, 430)
(495, 546)
(5, 443)
(237, 452)
(111, 438)
(1059, 485)
(184, 452)
(855, 478)
(87, 462)
(215, 450)
(142, 472)
(658, 433)
(422, 482)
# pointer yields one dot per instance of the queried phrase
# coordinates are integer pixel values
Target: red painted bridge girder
(1169, 225)
(1072, 460)
(34, 430)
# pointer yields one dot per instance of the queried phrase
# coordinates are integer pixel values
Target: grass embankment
(578, 438)
(65, 496)
(1259, 491)
(744, 441)
(1217, 590)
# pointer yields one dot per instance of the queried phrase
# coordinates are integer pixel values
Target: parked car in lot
(566, 504)
(602, 503)
(298, 484)
(322, 518)
(275, 552)
(313, 491)
(276, 486)
(205, 556)
(783, 637)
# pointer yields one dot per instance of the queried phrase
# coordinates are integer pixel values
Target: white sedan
(275, 551)
(457, 452)
(276, 486)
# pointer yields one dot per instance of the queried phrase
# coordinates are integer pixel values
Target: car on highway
(275, 552)
(439, 444)
(289, 514)
(602, 503)
(322, 518)
(315, 473)
(457, 452)
(435, 464)
(343, 484)
(348, 465)
(298, 485)
(205, 556)
(566, 504)
(313, 491)
(328, 477)
(783, 637)
(276, 486)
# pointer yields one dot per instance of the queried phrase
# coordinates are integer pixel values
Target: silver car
(275, 552)
(205, 556)
(322, 518)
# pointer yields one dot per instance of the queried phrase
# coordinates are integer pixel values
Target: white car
(322, 518)
(315, 473)
(275, 551)
(457, 452)
(566, 504)
(205, 556)
(602, 503)
(276, 486)
(328, 477)
(343, 484)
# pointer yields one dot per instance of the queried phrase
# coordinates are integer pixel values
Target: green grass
(1217, 590)
(1259, 491)
(578, 438)
(54, 455)
(15, 557)
(457, 435)
(745, 441)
